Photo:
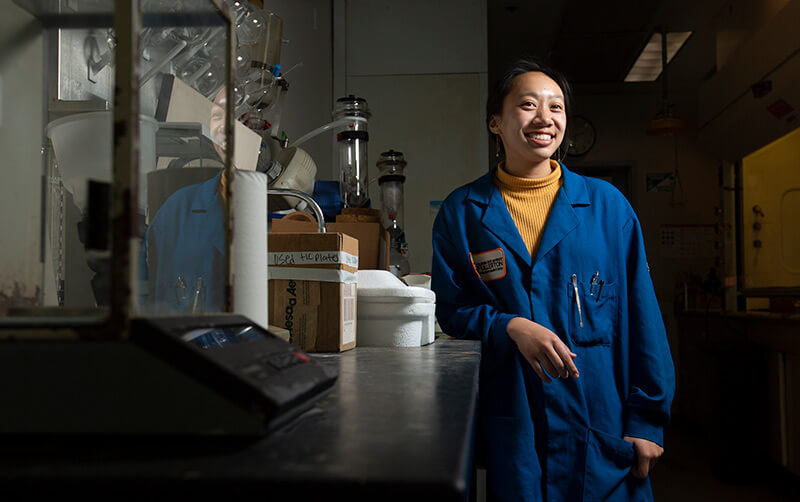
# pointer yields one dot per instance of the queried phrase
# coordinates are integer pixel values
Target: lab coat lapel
(563, 218)
(496, 218)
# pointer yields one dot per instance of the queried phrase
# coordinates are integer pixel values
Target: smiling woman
(547, 268)
(532, 124)
(537, 89)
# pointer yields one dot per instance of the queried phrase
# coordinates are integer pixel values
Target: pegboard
(689, 242)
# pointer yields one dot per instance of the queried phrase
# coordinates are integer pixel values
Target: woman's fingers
(557, 360)
(642, 468)
(538, 369)
(647, 454)
(544, 350)
(567, 357)
(547, 364)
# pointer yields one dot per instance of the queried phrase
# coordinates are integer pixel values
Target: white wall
(432, 119)
(307, 27)
(421, 66)
(386, 37)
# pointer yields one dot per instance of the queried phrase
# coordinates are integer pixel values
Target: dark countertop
(750, 314)
(399, 423)
(770, 331)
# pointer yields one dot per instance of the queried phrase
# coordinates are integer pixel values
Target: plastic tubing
(320, 130)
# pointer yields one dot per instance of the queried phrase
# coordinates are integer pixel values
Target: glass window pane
(57, 70)
(183, 252)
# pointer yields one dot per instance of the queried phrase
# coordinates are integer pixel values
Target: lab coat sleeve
(652, 374)
(459, 309)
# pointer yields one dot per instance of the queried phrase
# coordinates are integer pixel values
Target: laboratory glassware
(391, 165)
(351, 144)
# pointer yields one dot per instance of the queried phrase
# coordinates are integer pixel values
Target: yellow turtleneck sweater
(529, 201)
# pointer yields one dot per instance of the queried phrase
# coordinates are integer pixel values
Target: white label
(490, 265)
(311, 274)
(312, 258)
(348, 313)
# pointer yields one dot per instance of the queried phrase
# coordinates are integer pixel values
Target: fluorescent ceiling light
(647, 67)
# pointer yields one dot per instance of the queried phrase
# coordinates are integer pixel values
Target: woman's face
(533, 119)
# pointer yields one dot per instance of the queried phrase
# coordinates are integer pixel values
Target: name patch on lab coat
(490, 265)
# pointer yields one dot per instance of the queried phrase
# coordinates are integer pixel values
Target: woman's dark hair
(498, 93)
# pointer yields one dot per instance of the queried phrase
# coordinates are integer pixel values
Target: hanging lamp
(664, 124)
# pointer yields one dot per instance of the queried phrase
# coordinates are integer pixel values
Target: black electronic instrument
(206, 375)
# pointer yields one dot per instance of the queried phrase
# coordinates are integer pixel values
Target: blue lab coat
(559, 441)
(185, 239)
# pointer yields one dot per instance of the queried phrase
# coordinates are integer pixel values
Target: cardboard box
(312, 289)
(373, 239)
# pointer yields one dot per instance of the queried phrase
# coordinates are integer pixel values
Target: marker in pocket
(577, 298)
(599, 289)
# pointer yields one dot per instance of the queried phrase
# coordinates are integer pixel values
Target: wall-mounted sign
(780, 109)
(660, 182)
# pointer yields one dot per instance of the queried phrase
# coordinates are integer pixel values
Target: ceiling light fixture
(648, 65)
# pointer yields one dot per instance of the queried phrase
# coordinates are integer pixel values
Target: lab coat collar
(575, 187)
(207, 194)
(561, 221)
(496, 217)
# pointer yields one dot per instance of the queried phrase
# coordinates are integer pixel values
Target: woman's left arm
(651, 374)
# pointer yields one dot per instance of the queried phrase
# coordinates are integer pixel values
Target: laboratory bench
(399, 424)
(738, 377)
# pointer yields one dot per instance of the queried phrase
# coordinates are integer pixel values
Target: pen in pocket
(577, 298)
(593, 283)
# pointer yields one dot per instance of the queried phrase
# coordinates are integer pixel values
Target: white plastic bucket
(83, 148)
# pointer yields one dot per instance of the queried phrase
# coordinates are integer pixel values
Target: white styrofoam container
(391, 314)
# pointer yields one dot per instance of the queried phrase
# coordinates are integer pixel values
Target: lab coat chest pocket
(593, 316)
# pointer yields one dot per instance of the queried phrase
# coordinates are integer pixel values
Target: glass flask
(351, 144)
(391, 165)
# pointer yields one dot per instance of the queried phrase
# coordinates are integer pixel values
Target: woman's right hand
(543, 349)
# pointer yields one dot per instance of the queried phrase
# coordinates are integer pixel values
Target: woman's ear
(494, 124)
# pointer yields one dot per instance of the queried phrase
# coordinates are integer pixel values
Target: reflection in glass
(212, 338)
(61, 142)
